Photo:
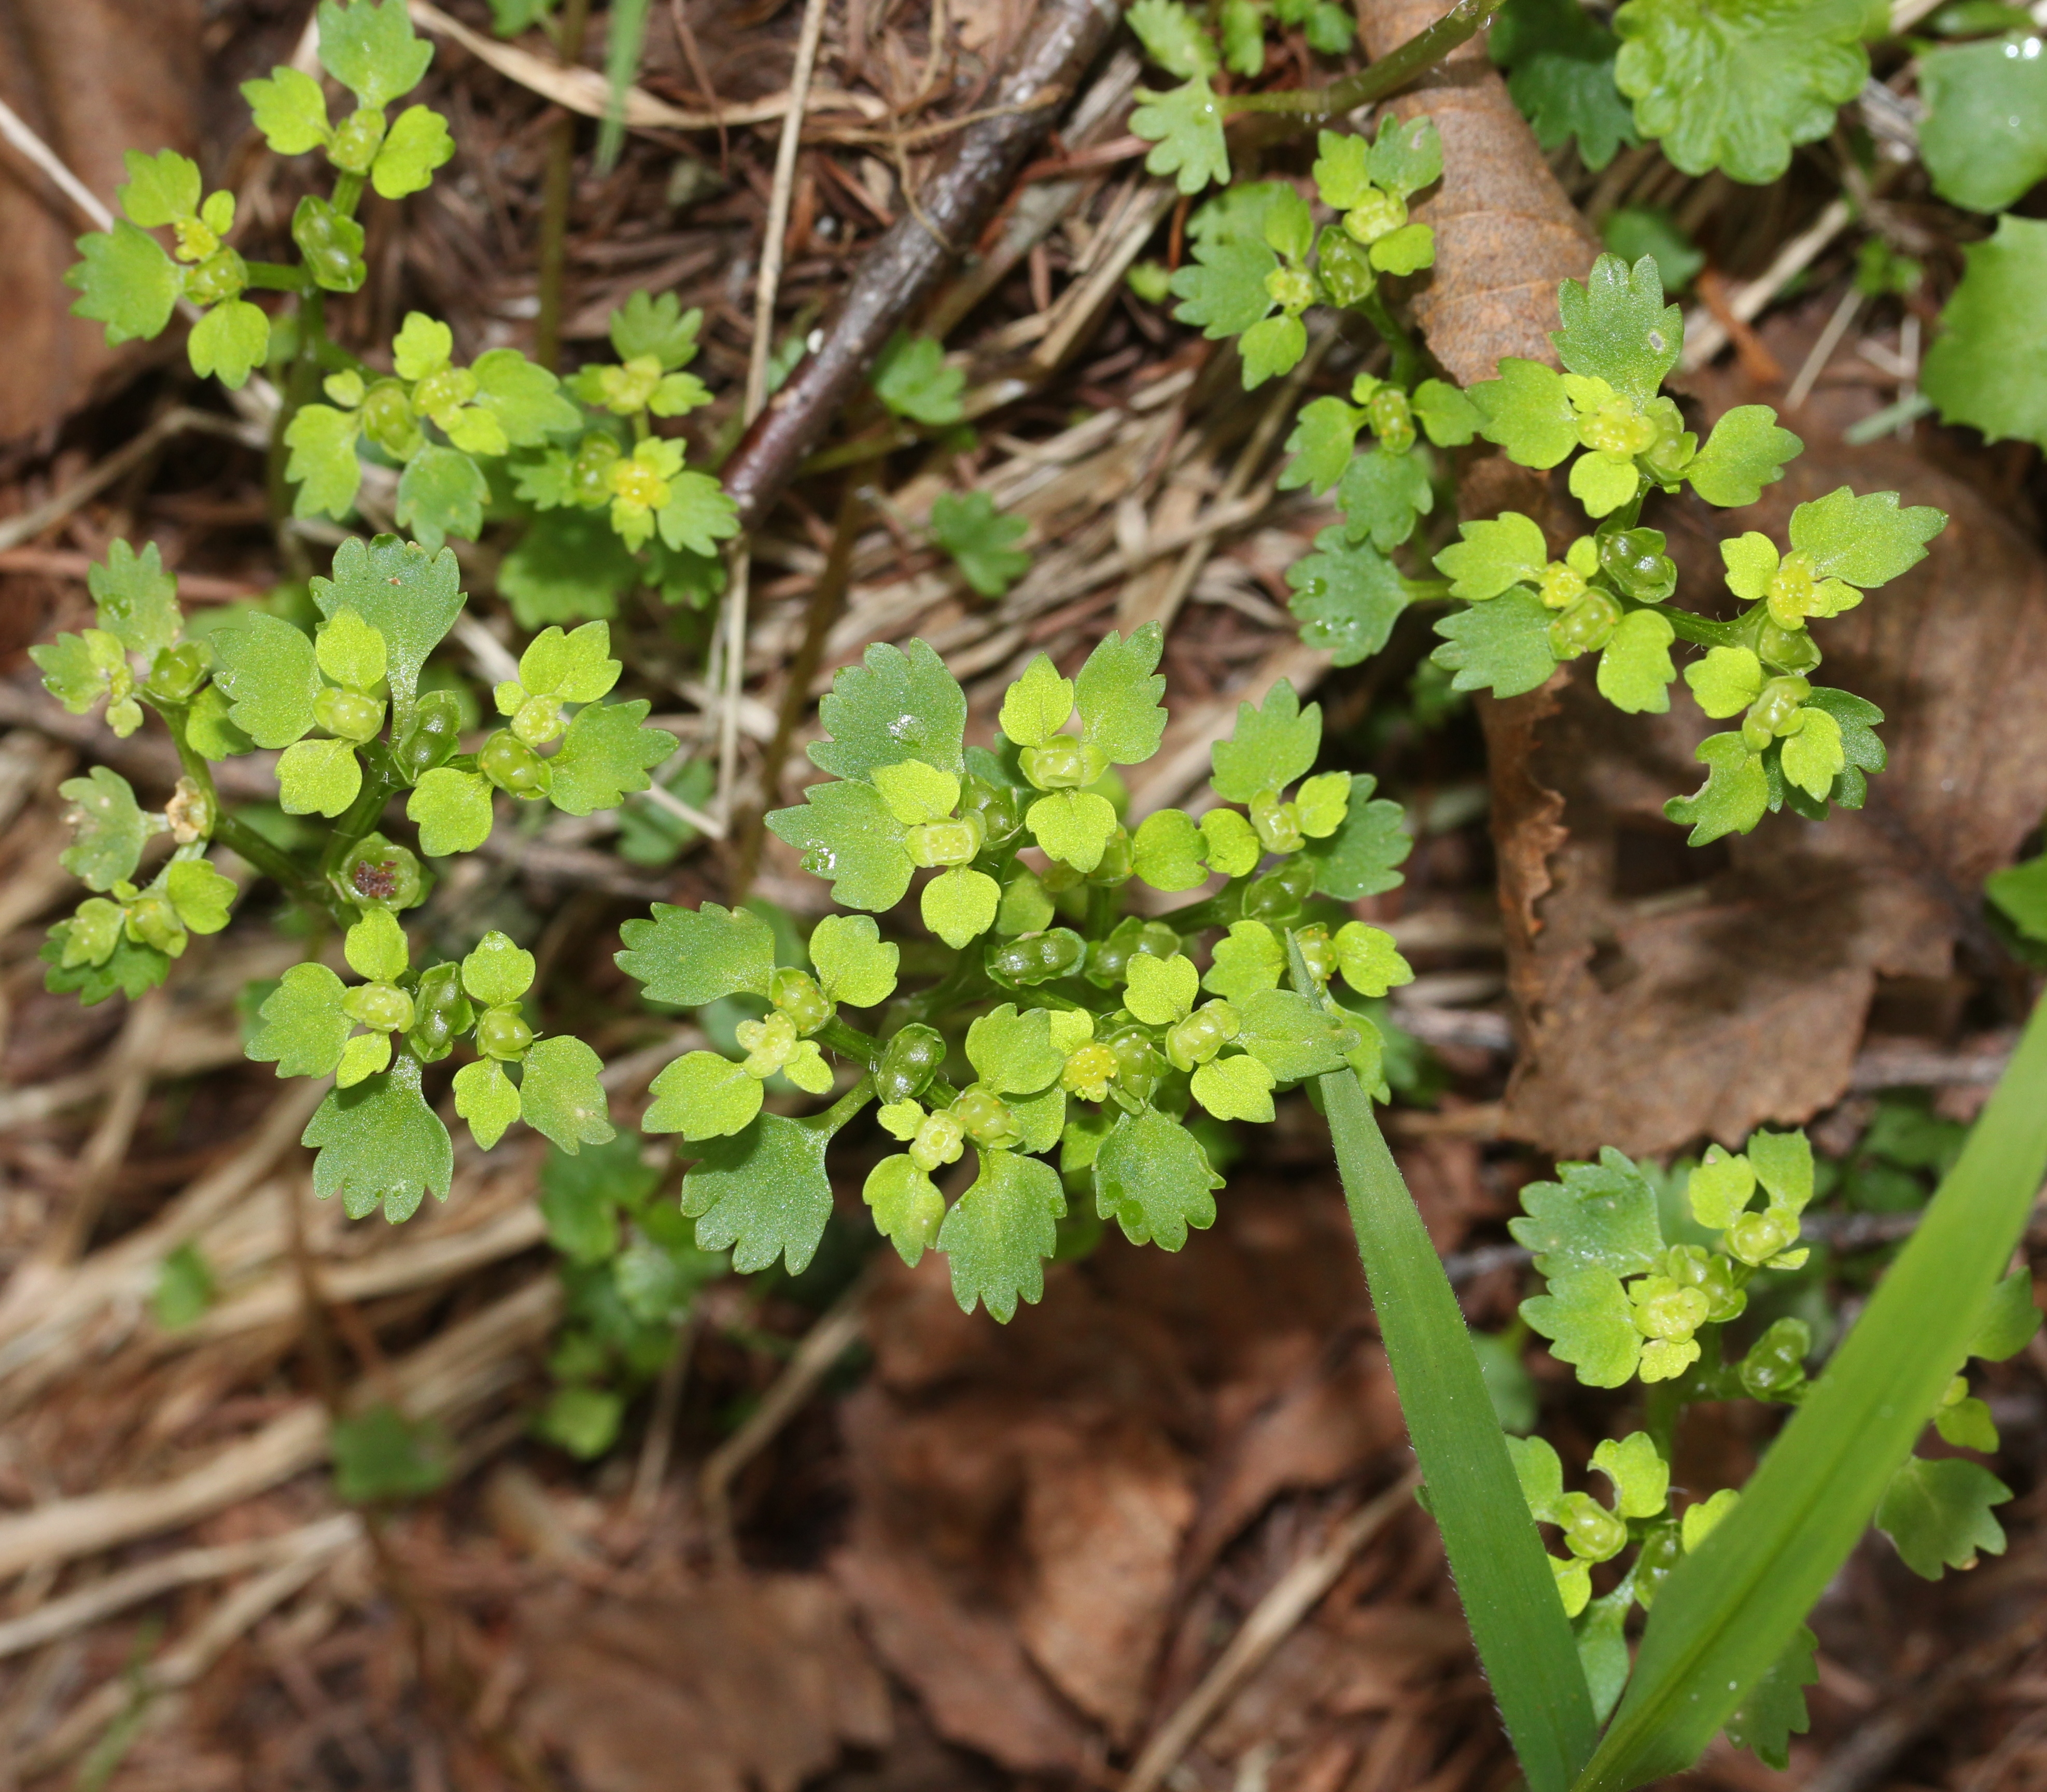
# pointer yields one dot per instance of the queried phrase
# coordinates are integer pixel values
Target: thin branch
(17, 132)
(1302, 106)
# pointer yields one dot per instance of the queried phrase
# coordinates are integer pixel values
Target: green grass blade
(1524, 1640)
(1730, 1610)
(625, 36)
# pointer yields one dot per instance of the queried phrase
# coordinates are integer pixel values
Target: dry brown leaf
(1506, 232)
(747, 1681)
(91, 78)
(1664, 993)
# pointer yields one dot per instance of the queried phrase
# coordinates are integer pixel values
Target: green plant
(591, 447)
(344, 702)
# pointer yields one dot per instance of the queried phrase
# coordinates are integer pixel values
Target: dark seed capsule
(508, 763)
(908, 1062)
(1279, 895)
(436, 726)
(1037, 958)
(1635, 560)
(378, 873)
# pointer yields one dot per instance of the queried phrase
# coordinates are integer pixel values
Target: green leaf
(229, 342)
(1868, 540)
(569, 563)
(1746, 451)
(1230, 843)
(2019, 893)
(132, 969)
(1347, 596)
(1408, 155)
(125, 282)
(959, 904)
(702, 1095)
(1774, 1710)
(1382, 493)
(1726, 682)
(763, 1194)
(452, 811)
(1734, 796)
(1405, 251)
(1448, 417)
(496, 972)
(487, 1099)
(1561, 79)
(907, 1206)
(854, 964)
(267, 668)
(1503, 1574)
(318, 777)
(1073, 827)
(1526, 411)
(1586, 1317)
(916, 793)
(1734, 84)
(1166, 852)
(1988, 369)
(1161, 991)
(911, 379)
(289, 109)
(1272, 346)
(417, 144)
(999, 1232)
(583, 1421)
(1938, 1513)
(185, 1288)
(1601, 1215)
(1269, 747)
(1633, 231)
(380, 1456)
(524, 398)
(559, 1095)
(1117, 695)
(1812, 757)
(370, 50)
(201, 895)
(1641, 1478)
(1037, 707)
(1984, 137)
(697, 516)
(1293, 1038)
(1013, 1054)
(1733, 1607)
(160, 189)
(605, 755)
(845, 833)
(1185, 127)
(108, 829)
(980, 539)
(658, 327)
(1635, 670)
(1324, 438)
(76, 668)
(1494, 556)
(322, 464)
(1173, 39)
(694, 956)
(303, 1027)
(351, 652)
(1603, 485)
(1616, 327)
(1359, 858)
(1238, 1087)
(1502, 646)
(576, 667)
(1242, 24)
(379, 1141)
(1153, 1181)
(442, 492)
(1248, 959)
(1222, 289)
(208, 731)
(895, 706)
(138, 600)
(2008, 1320)
(409, 595)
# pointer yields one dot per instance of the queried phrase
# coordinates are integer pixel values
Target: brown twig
(900, 271)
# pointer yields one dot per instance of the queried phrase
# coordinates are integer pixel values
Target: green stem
(277, 276)
(1308, 105)
(967, 981)
(846, 1107)
(1408, 366)
(1103, 902)
(1702, 631)
(1496, 1557)
(347, 194)
(850, 1042)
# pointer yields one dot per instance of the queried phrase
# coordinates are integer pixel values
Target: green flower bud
(1617, 428)
(589, 473)
(1140, 1066)
(1776, 1362)
(1278, 824)
(179, 671)
(1318, 951)
(348, 714)
(909, 1061)
(1392, 419)
(502, 1033)
(1063, 762)
(442, 1013)
(1291, 289)
(797, 994)
(940, 1140)
(1115, 866)
(1791, 591)
(1591, 1532)
(1278, 895)
(1036, 957)
(1586, 627)
(388, 419)
(1088, 1070)
(769, 1044)
(1204, 1032)
(508, 763)
(1378, 215)
(221, 277)
(1560, 586)
(377, 873)
(433, 736)
(1756, 1238)
(383, 1007)
(539, 721)
(152, 921)
(1635, 560)
(631, 387)
(1775, 712)
(1665, 1310)
(354, 144)
(1789, 650)
(985, 1116)
(947, 842)
(444, 392)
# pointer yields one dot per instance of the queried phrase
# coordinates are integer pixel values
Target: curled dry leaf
(1506, 232)
(1666, 993)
